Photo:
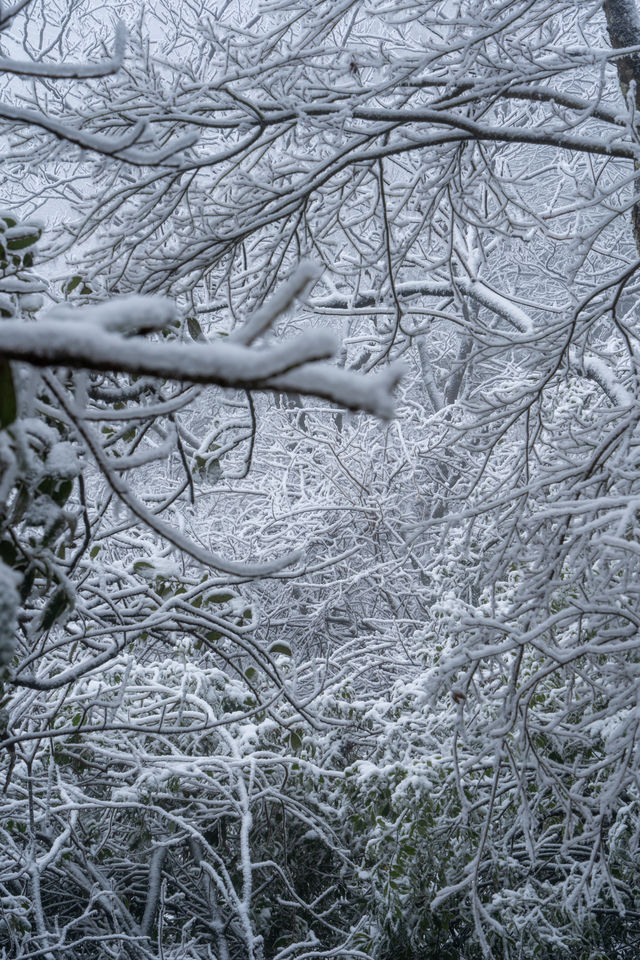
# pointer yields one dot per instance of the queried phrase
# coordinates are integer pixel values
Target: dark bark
(623, 22)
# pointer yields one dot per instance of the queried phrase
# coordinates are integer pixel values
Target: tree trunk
(623, 23)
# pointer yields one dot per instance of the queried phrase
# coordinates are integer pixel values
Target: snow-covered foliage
(280, 679)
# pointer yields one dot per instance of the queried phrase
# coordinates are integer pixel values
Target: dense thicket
(283, 680)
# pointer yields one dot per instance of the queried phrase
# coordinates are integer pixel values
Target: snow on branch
(597, 369)
(121, 147)
(73, 71)
(7, 15)
(370, 393)
(56, 343)
(262, 319)
(476, 289)
(150, 520)
(94, 338)
(497, 303)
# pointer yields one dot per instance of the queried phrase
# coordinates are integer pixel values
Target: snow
(84, 344)
(88, 342)
(35, 68)
(121, 147)
(602, 373)
(62, 460)
(305, 273)
(490, 548)
(22, 285)
(498, 303)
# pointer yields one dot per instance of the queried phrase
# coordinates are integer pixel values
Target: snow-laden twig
(277, 305)
(122, 147)
(70, 71)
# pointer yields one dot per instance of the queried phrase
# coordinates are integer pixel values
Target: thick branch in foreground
(51, 343)
(94, 339)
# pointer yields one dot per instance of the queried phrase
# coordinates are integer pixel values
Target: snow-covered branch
(84, 345)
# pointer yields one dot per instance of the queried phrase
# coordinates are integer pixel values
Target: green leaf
(93, 553)
(295, 740)
(71, 285)
(219, 597)
(19, 243)
(209, 467)
(195, 329)
(8, 409)
(75, 720)
(58, 489)
(27, 583)
(55, 607)
(280, 647)
(8, 553)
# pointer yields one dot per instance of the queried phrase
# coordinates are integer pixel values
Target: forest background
(319, 449)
